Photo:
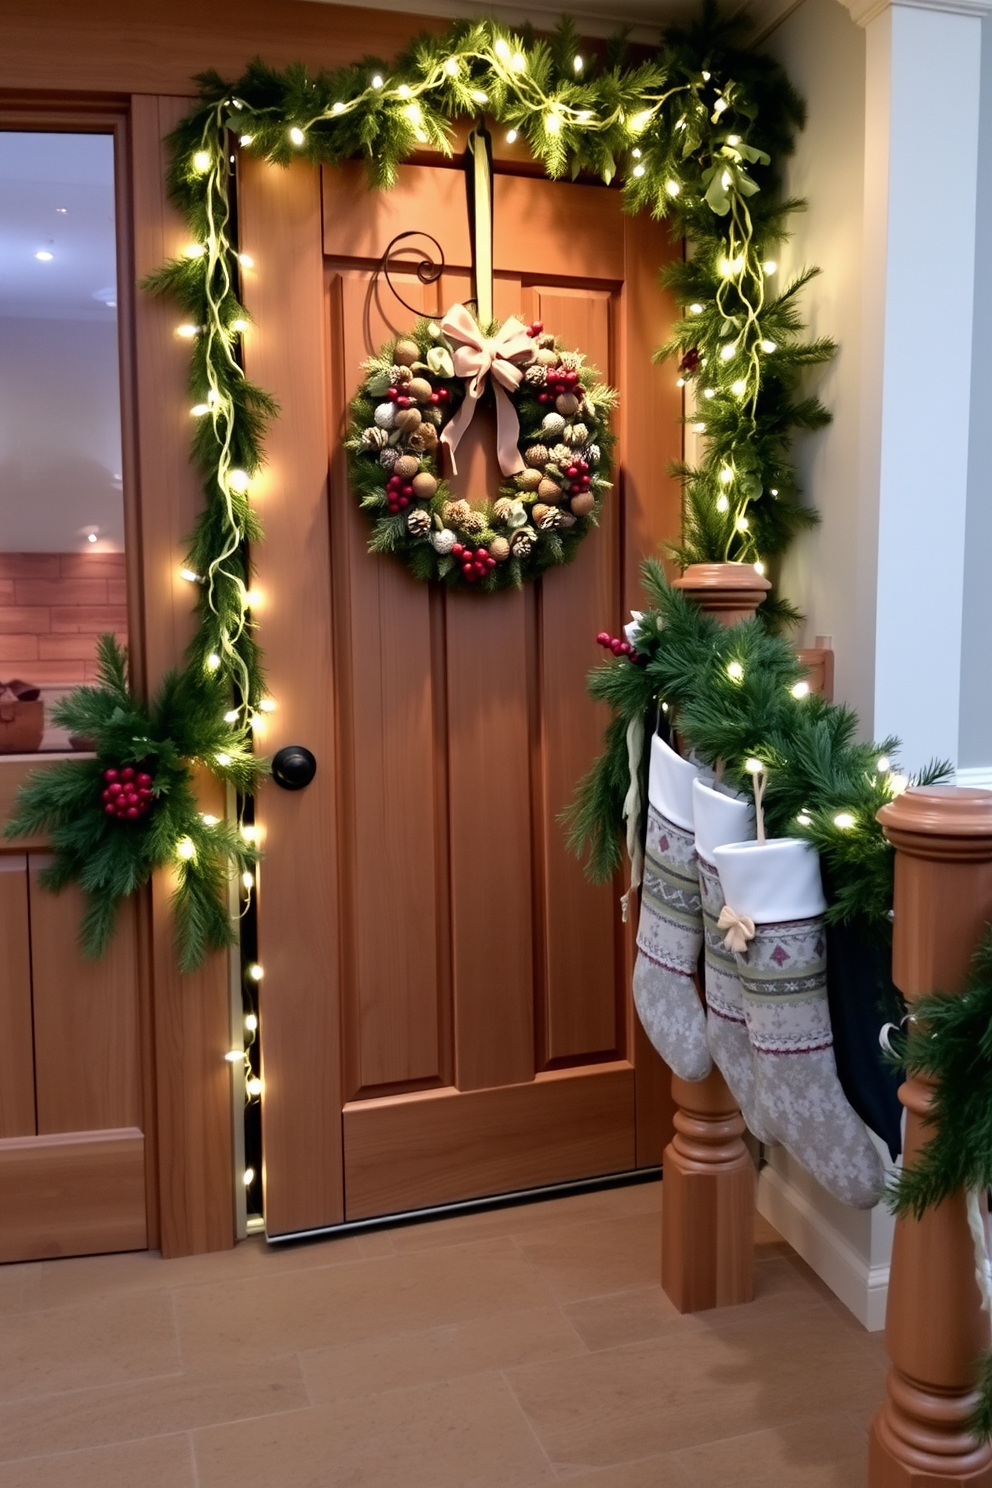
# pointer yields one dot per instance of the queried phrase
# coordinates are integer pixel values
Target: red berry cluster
(535, 328)
(403, 400)
(558, 381)
(127, 793)
(615, 644)
(475, 565)
(577, 477)
(399, 493)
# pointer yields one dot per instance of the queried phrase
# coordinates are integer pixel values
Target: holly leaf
(378, 384)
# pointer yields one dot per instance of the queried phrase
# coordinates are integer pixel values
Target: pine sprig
(735, 695)
(111, 858)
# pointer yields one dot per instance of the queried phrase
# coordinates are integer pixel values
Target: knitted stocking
(721, 818)
(670, 931)
(774, 923)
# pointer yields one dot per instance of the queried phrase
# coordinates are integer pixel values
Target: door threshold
(626, 1179)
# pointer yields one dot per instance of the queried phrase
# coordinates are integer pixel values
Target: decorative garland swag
(697, 134)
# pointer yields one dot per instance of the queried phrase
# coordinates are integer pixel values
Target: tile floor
(516, 1349)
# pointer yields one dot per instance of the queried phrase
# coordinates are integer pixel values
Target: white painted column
(921, 180)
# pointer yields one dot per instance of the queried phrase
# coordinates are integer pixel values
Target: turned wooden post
(707, 1212)
(934, 1328)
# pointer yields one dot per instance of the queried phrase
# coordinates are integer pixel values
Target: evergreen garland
(735, 695)
(697, 134)
(110, 854)
(948, 1041)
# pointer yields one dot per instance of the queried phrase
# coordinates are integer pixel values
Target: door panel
(17, 1113)
(85, 1017)
(410, 1152)
(486, 1030)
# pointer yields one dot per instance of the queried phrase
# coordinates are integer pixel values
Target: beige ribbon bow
(739, 928)
(474, 360)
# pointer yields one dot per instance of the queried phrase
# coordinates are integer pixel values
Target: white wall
(830, 573)
(975, 744)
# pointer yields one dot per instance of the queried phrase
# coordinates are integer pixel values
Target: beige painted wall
(830, 573)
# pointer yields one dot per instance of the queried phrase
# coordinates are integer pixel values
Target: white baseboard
(861, 1286)
(976, 776)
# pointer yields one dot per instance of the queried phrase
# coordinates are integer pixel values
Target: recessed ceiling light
(91, 537)
(107, 296)
(62, 210)
(44, 256)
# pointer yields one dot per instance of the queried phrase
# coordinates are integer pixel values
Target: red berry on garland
(690, 362)
(133, 813)
(572, 472)
(616, 646)
(457, 549)
(603, 639)
(435, 397)
(544, 397)
(393, 394)
(144, 780)
(109, 775)
(110, 809)
(443, 394)
(407, 490)
(537, 327)
(404, 502)
(127, 773)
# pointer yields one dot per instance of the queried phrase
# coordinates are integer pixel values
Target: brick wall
(52, 608)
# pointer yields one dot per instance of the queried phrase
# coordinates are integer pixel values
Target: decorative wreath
(553, 438)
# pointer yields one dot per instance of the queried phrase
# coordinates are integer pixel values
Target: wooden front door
(445, 1010)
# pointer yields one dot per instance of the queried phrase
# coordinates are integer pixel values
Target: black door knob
(293, 767)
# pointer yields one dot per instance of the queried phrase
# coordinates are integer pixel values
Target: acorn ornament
(582, 504)
(406, 352)
(406, 467)
(127, 793)
(424, 486)
(528, 480)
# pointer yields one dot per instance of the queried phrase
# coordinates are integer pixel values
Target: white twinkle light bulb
(769, 266)
(735, 671)
(246, 139)
(769, 347)
(552, 123)
(238, 480)
(239, 325)
(246, 261)
(248, 1177)
(502, 49)
(722, 503)
(451, 67)
(248, 879)
(478, 96)
(883, 763)
(739, 387)
(742, 524)
(519, 62)
(578, 64)
(377, 80)
(185, 849)
(339, 107)
(232, 716)
(638, 170)
(254, 1085)
(189, 575)
(728, 350)
(753, 766)
(201, 161)
(223, 760)
(800, 690)
(673, 188)
(251, 1022)
(695, 309)
(297, 136)
(720, 105)
(255, 972)
(844, 820)
(234, 1056)
(187, 331)
(511, 136)
(759, 567)
(726, 475)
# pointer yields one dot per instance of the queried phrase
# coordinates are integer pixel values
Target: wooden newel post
(707, 1213)
(934, 1327)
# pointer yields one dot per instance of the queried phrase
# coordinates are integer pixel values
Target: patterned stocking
(719, 819)
(670, 931)
(776, 929)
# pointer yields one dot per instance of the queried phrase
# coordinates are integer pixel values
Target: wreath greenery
(407, 399)
(114, 819)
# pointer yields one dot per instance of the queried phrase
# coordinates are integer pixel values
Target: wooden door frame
(184, 1021)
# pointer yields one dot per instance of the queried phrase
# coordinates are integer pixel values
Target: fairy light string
(677, 131)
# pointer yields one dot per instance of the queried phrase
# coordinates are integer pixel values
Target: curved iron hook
(428, 270)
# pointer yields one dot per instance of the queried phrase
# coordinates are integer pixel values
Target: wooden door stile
(190, 1103)
(287, 353)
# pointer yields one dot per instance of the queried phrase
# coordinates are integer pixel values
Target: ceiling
(646, 18)
(57, 197)
(60, 439)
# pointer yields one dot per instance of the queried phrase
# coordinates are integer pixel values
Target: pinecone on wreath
(418, 522)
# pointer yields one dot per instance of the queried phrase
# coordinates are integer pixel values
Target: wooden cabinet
(72, 1148)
